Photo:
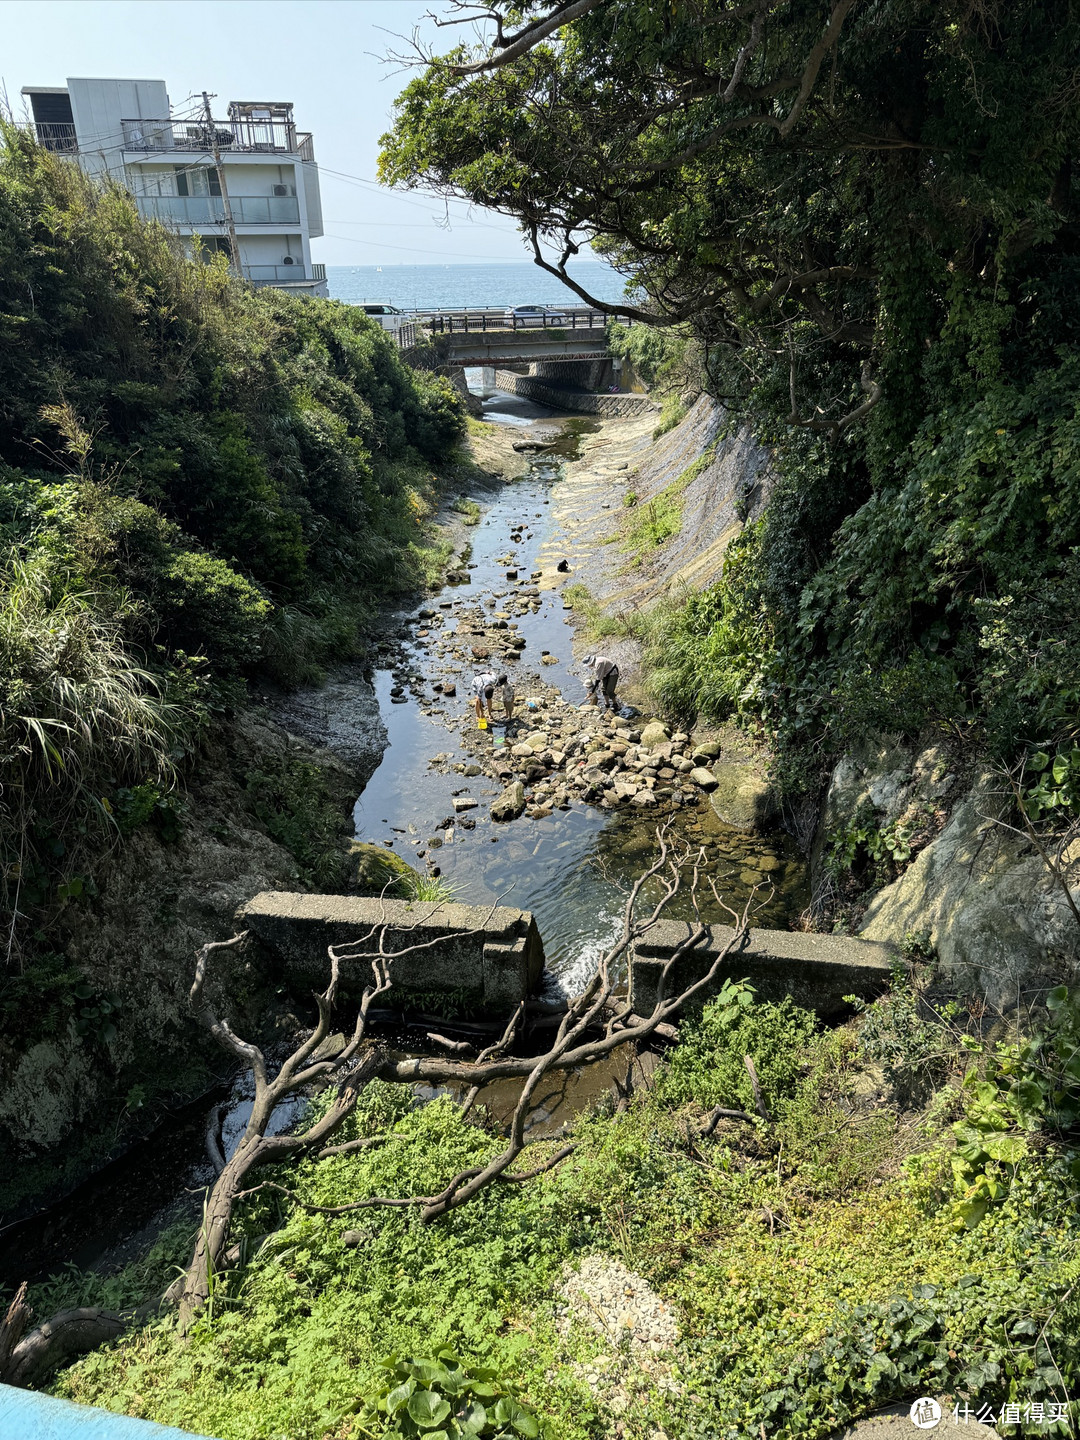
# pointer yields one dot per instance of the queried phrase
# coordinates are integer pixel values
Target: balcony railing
(278, 274)
(210, 209)
(57, 135)
(237, 136)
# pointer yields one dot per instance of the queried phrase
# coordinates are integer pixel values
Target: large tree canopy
(814, 184)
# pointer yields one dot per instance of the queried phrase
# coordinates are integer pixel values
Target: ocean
(456, 287)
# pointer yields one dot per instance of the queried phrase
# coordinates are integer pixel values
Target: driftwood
(593, 1024)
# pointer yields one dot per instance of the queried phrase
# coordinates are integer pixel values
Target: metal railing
(247, 136)
(210, 210)
(57, 135)
(279, 274)
(473, 322)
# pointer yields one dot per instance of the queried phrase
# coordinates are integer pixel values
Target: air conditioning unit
(281, 190)
(287, 260)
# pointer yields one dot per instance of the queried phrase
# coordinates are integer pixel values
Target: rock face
(510, 804)
(997, 918)
(372, 868)
(741, 798)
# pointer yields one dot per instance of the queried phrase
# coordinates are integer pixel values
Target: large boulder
(510, 804)
(998, 920)
(742, 798)
(654, 734)
(373, 869)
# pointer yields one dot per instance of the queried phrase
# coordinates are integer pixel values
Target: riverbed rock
(464, 802)
(645, 799)
(372, 868)
(702, 777)
(510, 804)
(654, 734)
(742, 798)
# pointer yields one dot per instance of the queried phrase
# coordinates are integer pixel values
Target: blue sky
(324, 55)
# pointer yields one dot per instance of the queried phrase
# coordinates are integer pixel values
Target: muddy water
(570, 868)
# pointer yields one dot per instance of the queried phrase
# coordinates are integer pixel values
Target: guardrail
(471, 322)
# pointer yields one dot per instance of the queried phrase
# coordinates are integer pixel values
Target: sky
(326, 56)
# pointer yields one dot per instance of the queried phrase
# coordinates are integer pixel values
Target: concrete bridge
(489, 338)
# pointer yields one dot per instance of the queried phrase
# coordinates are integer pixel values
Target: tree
(813, 184)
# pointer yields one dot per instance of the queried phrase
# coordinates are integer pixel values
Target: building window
(197, 180)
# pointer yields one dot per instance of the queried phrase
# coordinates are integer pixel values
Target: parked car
(384, 314)
(535, 315)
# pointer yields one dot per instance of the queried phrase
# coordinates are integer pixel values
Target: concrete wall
(494, 955)
(608, 407)
(817, 971)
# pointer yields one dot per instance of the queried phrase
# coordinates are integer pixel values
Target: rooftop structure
(127, 129)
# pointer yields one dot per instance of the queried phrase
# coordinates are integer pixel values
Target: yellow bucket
(481, 724)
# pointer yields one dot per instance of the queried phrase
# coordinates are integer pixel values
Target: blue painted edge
(30, 1415)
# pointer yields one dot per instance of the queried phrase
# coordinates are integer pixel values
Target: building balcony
(279, 210)
(232, 137)
(285, 274)
(56, 135)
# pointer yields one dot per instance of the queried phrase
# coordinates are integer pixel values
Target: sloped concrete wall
(494, 955)
(817, 971)
(608, 407)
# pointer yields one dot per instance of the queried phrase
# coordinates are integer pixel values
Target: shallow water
(570, 868)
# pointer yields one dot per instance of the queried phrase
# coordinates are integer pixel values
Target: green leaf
(472, 1418)
(428, 1409)
(1039, 761)
(523, 1422)
(399, 1396)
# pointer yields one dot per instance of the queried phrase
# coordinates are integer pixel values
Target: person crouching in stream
(489, 687)
(604, 678)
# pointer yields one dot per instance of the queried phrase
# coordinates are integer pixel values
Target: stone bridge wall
(608, 407)
(494, 955)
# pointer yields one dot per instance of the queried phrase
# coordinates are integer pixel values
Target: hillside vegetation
(198, 481)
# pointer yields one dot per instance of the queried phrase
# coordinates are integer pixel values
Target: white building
(126, 128)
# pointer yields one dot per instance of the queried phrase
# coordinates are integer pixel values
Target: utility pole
(211, 135)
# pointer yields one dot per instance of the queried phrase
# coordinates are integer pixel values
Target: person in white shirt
(488, 687)
(604, 678)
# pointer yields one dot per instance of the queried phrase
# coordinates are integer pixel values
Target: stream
(569, 868)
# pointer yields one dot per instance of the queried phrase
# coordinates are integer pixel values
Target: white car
(535, 315)
(384, 314)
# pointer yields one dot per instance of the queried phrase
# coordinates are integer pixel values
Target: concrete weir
(496, 955)
(492, 954)
(817, 971)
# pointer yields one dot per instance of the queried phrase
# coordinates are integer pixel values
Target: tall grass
(78, 717)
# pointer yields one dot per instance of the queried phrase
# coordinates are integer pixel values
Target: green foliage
(1024, 1086)
(294, 801)
(467, 508)
(901, 1034)
(197, 479)
(1058, 785)
(442, 1397)
(811, 1278)
(709, 1067)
